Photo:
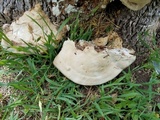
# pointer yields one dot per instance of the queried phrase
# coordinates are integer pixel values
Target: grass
(40, 91)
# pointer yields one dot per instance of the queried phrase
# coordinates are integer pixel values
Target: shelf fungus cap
(87, 64)
(135, 4)
(31, 28)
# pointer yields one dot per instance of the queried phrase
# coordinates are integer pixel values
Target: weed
(79, 33)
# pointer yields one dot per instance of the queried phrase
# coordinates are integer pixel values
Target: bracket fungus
(88, 64)
(31, 28)
(135, 4)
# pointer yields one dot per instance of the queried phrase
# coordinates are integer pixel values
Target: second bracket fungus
(31, 28)
(88, 64)
(135, 4)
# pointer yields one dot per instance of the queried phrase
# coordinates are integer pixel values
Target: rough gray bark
(131, 23)
(13, 9)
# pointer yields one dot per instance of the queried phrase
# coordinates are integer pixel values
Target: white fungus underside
(89, 67)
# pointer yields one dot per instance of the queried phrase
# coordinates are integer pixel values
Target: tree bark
(12, 9)
(132, 23)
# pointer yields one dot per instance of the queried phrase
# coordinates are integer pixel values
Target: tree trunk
(132, 23)
(12, 9)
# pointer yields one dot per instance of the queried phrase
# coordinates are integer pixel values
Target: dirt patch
(5, 77)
